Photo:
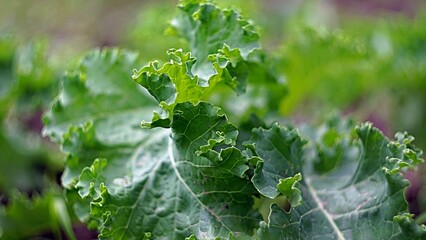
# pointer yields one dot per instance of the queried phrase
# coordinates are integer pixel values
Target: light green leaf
(174, 83)
(101, 88)
(116, 108)
(287, 188)
(219, 56)
(210, 30)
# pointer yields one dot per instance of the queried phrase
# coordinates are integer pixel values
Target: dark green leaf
(350, 203)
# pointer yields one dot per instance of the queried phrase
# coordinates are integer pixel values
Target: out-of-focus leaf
(31, 67)
(24, 218)
(20, 168)
(7, 50)
(25, 155)
(151, 23)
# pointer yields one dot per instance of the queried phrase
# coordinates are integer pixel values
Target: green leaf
(138, 181)
(174, 83)
(145, 191)
(100, 89)
(349, 202)
(220, 41)
(172, 184)
(287, 188)
(280, 150)
(226, 46)
(210, 30)
(99, 95)
(219, 56)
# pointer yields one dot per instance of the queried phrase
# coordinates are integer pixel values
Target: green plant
(191, 173)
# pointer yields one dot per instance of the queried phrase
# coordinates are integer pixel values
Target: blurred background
(363, 58)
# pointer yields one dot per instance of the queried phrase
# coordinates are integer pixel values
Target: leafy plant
(192, 173)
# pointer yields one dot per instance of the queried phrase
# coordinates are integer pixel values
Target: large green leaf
(168, 190)
(157, 176)
(139, 190)
(101, 91)
(361, 197)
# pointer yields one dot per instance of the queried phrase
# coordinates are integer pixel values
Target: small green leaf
(280, 149)
(288, 188)
(209, 29)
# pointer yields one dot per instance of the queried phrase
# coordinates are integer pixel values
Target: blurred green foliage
(29, 164)
(24, 218)
(29, 84)
(368, 67)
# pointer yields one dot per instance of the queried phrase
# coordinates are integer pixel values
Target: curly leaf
(280, 150)
(139, 181)
(101, 91)
(174, 83)
(287, 188)
(99, 95)
(225, 50)
(210, 30)
(163, 180)
(349, 202)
